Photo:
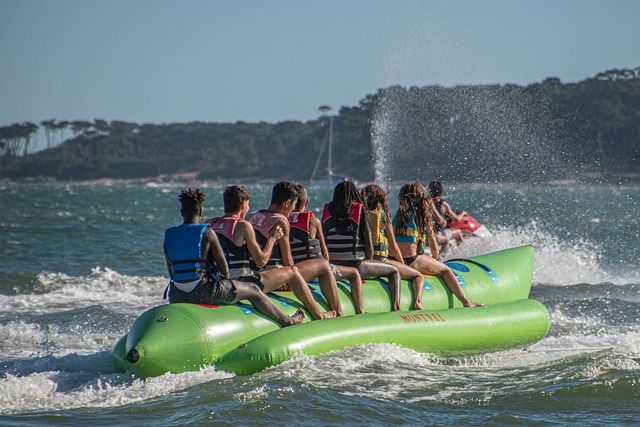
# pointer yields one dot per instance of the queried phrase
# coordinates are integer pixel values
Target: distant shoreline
(190, 180)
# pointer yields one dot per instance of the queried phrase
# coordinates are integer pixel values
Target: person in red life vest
(412, 226)
(283, 199)
(346, 229)
(199, 271)
(247, 257)
(384, 242)
(307, 242)
(443, 214)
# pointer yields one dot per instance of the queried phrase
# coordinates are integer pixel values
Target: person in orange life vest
(199, 271)
(412, 225)
(247, 257)
(283, 199)
(347, 232)
(307, 241)
(384, 242)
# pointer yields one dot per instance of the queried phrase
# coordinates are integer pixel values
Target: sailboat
(332, 177)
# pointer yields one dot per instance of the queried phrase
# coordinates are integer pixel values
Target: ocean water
(78, 263)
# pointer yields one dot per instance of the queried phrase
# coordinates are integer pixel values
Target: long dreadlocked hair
(191, 200)
(344, 194)
(373, 195)
(413, 198)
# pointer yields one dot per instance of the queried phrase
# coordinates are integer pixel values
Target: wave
(55, 292)
(558, 261)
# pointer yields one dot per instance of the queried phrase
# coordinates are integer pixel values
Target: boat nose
(133, 356)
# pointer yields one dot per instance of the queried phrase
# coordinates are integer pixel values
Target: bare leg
(428, 265)
(264, 304)
(355, 284)
(274, 278)
(370, 268)
(444, 244)
(311, 268)
(417, 281)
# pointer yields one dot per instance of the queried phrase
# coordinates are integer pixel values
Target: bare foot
(418, 306)
(340, 313)
(473, 304)
(329, 314)
(298, 317)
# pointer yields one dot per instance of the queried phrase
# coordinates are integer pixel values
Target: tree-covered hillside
(544, 131)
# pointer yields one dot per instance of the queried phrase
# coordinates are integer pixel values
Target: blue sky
(157, 61)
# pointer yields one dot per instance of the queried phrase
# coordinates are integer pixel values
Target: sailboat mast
(330, 156)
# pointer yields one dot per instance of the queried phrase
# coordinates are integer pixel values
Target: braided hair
(344, 194)
(412, 198)
(191, 201)
(373, 195)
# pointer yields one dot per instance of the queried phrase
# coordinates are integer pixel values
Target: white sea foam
(557, 261)
(58, 292)
(61, 390)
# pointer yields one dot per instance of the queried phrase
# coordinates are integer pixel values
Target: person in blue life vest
(347, 232)
(412, 225)
(198, 270)
(283, 199)
(307, 242)
(384, 242)
(249, 252)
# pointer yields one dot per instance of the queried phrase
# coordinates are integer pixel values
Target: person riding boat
(283, 200)
(240, 246)
(413, 225)
(345, 225)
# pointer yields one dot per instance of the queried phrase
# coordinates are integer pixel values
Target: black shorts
(354, 263)
(209, 291)
(407, 261)
(254, 278)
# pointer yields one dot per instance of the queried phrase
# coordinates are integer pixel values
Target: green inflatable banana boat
(184, 337)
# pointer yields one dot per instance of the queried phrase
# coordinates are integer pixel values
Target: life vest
(183, 246)
(378, 235)
(263, 222)
(343, 235)
(410, 233)
(237, 257)
(302, 245)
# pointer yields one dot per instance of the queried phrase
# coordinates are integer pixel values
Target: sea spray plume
(385, 132)
(469, 133)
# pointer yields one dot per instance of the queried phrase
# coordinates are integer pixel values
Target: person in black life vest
(347, 232)
(443, 214)
(199, 271)
(307, 242)
(384, 242)
(248, 256)
(283, 199)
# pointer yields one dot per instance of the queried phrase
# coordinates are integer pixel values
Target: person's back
(303, 245)
(345, 236)
(345, 224)
(228, 231)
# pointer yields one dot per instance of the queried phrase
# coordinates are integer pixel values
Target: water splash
(464, 133)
